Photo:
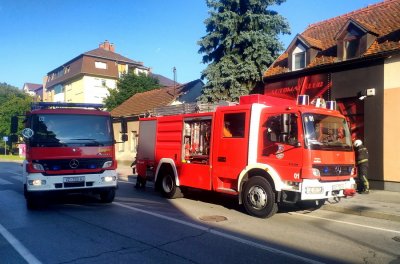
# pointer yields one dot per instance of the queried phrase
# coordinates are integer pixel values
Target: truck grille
(52, 166)
(334, 170)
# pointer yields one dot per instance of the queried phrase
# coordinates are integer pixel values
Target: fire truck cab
(263, 150)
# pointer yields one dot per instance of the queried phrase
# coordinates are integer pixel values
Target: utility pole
(174, 70)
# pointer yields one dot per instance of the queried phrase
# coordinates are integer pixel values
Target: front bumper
(315, 190)
(37, 182)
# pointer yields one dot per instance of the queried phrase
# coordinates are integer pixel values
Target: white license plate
(337, 187)
(74, 179)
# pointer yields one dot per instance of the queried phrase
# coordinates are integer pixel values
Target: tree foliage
(12, 102)
(242, 41)
(128, 85)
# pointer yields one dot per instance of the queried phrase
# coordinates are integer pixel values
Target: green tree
(12, 102)
(128, 85)
(242, 41)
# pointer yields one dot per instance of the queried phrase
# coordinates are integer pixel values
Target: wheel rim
(257, 197)
(167, 183)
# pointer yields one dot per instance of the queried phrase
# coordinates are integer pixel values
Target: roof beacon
(331, 105)
(303, 99)
(319, 102)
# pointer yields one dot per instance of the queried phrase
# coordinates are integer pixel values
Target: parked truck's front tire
(259, 198)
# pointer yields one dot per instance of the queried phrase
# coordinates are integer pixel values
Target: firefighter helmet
(357, 143)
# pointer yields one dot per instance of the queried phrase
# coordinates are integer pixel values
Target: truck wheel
(32, 203)
(168, 186)
(259, 198)
(107, 196)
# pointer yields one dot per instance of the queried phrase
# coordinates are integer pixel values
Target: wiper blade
(83, 139)
(93, 142)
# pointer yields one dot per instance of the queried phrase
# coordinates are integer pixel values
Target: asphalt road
(141, 226)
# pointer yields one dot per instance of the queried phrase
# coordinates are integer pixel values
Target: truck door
(230, 148)
(280, 144)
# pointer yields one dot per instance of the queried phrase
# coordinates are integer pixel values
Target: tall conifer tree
(242, 41)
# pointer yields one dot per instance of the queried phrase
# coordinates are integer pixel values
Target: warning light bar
(46, 105)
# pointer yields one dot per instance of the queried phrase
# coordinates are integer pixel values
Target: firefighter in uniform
(362, 166)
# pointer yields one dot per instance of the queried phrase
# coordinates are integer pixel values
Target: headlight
(107, 164)
(109, 178)
(37, 182)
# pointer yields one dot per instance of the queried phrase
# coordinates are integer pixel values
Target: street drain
(213, 218)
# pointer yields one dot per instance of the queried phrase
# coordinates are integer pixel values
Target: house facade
(142, 104)
(353, 59)
(33, 89)
(87, 77)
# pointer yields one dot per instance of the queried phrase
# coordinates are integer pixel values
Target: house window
(300, 60)
(299, 57)
(121, 147)
(134, 141)
(100, 65)
(351, 43)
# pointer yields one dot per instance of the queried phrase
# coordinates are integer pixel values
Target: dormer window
(351, 44)
(299, 57)
(353, 40)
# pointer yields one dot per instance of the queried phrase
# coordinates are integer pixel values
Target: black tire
(107, 196)
(168, 186)
(310, 204)
(259, 198)
(33, 203)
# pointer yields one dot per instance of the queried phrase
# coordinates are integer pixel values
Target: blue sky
(38, 36)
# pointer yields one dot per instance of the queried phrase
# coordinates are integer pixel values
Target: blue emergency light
(45, 105)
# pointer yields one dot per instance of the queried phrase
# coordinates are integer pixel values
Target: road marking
(221, 234)
(23, 251)
(13, 172)
(17, 178)
(4, 182)
(348, 223)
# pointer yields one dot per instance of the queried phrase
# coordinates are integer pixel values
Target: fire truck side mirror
(124, 137)
(13, 138)
(285, 123)
(14, 125)
(124, 126)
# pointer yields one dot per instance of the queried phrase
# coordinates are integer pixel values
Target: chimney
(107, 46)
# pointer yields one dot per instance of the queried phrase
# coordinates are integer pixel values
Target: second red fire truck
(69, 149)
(264, 150)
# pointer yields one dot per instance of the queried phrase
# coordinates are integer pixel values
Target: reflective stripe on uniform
(362, 161)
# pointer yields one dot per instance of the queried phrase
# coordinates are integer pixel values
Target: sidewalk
(377, 204)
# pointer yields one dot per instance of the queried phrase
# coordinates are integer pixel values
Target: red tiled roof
(33, 86)
(141, 103)
(381, 19)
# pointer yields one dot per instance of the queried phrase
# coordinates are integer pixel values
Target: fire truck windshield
(326, 132)
(55, 130)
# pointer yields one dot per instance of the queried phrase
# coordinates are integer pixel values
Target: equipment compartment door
(195, 167)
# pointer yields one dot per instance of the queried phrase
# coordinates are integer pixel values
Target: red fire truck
(264, 150)
(69, 148)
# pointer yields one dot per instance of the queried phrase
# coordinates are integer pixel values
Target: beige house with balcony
(87, 77)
